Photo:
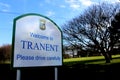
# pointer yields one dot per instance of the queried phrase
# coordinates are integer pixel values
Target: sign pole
(56, 73)
(18, 74)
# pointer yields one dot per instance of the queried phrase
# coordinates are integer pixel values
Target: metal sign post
(18, 74)
(56, 73)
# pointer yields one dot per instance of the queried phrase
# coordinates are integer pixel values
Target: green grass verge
(91, 60)
(5, 62)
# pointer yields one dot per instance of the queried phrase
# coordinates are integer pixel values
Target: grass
(91, 60)
(93, 64)
(5, 62)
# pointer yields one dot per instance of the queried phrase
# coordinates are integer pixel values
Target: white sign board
(36, 42)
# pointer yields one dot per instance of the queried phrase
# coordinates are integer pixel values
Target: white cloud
(112, 1)
(62, 6)
(4, 7)
(4, 4)
(48, 1)
(87, 2)
(50, 13)
(108, 1)
(51, 1)
(76, 4)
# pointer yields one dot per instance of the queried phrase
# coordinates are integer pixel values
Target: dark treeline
(5, 52)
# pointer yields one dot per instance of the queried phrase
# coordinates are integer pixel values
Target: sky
(60, 11)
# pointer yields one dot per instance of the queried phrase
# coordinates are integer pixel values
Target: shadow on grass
(100, 66)
(77, 72)
(84, 71)
(90, 72)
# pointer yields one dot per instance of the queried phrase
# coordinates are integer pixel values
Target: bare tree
(90, 30)
(115, 33)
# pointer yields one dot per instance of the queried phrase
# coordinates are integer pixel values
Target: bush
(66, 56)
(5, 52)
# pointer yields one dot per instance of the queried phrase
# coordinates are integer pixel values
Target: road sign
(37, 41)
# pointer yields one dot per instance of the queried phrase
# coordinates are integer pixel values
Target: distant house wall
(71, 53)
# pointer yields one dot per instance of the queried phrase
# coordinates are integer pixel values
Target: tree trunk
(110, 55)
(107, 57)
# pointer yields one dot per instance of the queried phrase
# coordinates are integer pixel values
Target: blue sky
(60, 11)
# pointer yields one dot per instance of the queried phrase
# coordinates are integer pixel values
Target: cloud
(87, 2)
(62, 6)
(4, 4)
(51, 1)
(77, 4)
(48, 1)
(50, 13)
(4, 7)
(112, 1)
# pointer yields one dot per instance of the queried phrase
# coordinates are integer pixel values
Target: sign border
(13, 40)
